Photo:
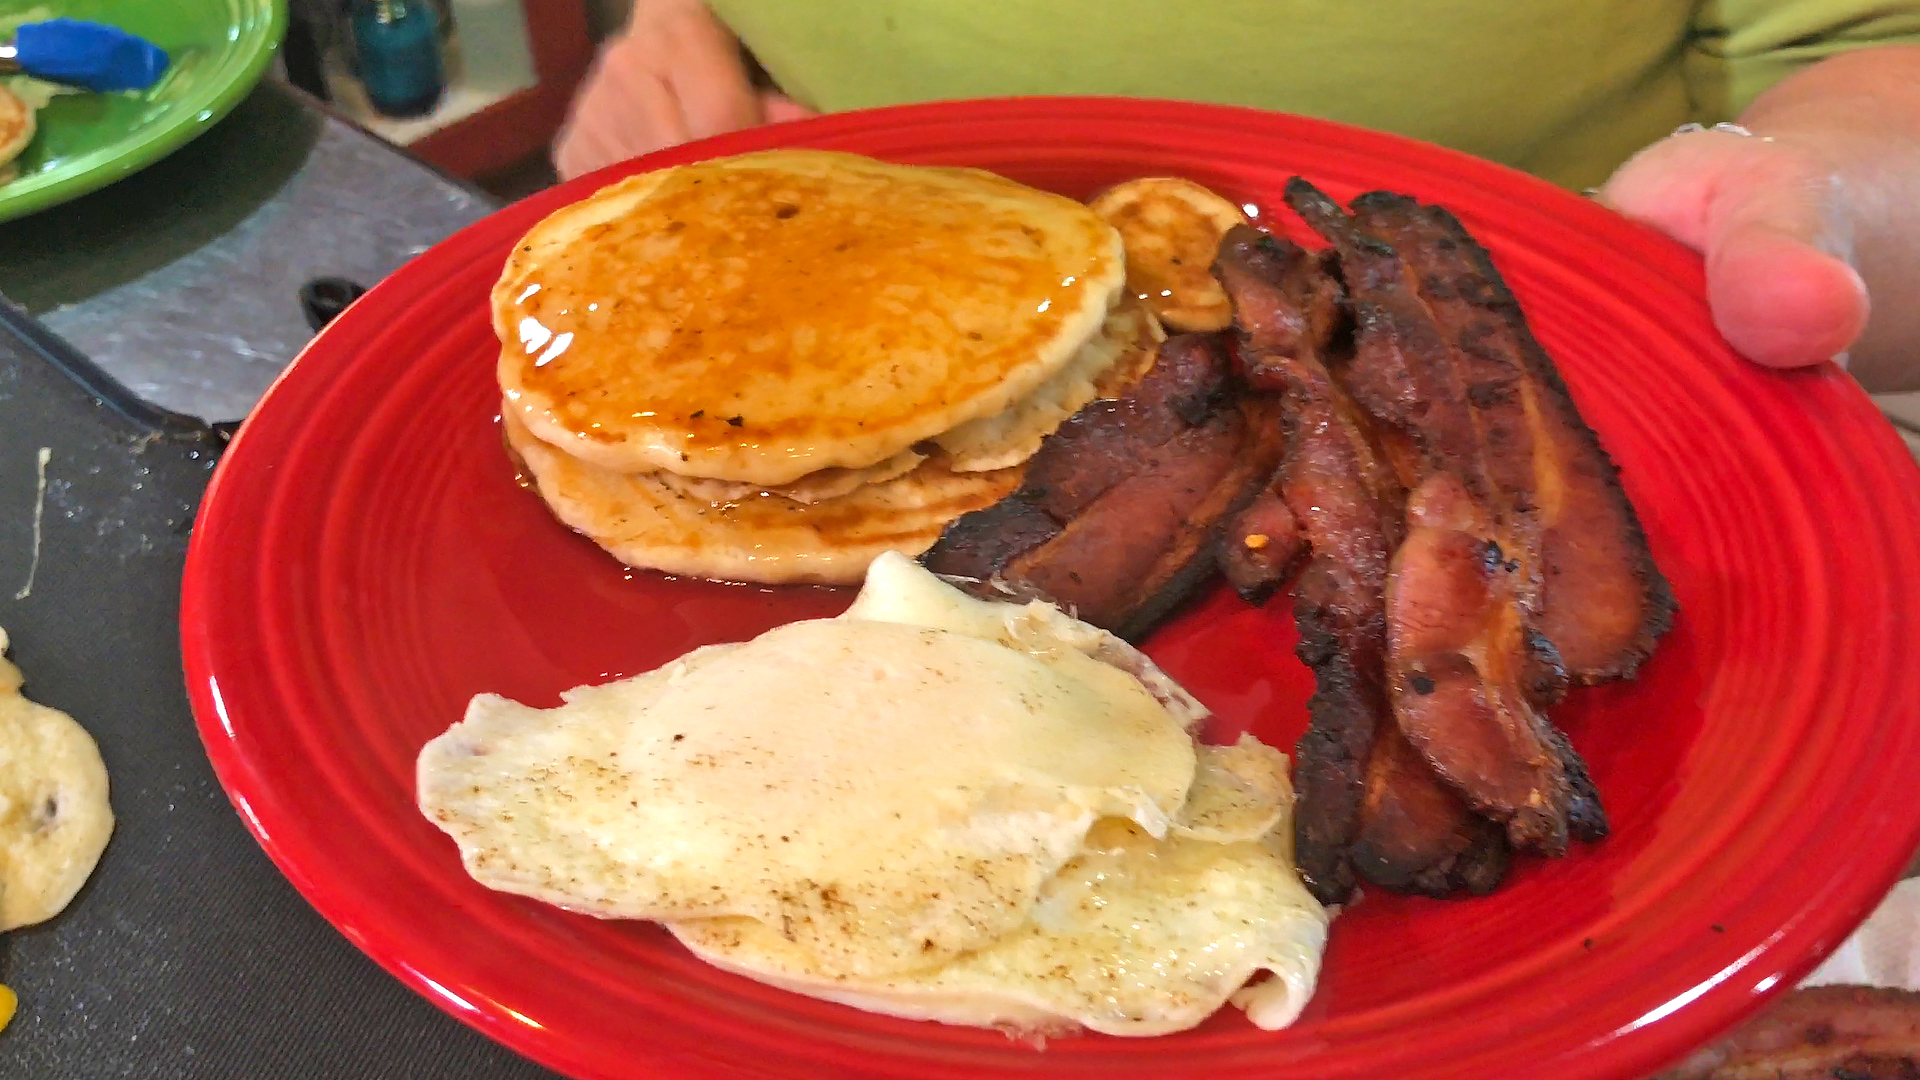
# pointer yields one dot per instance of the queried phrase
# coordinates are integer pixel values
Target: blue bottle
(397, 55)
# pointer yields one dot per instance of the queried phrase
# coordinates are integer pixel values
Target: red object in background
(364, 563)
(511, 130)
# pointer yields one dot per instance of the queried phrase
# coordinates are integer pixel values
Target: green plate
(87, 141)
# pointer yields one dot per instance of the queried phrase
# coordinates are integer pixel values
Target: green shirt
(1566, 89)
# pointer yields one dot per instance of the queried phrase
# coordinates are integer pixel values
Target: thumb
(777, 107)
(1768, 219)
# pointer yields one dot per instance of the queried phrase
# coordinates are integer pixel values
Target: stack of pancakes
(776, 366)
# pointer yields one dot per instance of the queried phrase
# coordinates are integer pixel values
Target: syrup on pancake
(767, 316)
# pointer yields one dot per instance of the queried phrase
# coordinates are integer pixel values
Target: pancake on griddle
(763, 317)
(16, 127)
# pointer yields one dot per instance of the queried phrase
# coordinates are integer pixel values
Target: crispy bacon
(1593, 588)
(1119, 513)
(1455, 636)
(1820, 1033)
(1468, 666)
(1416, 834)
(1332, 759)
(1367, 802)
(1261, 546)
(1379, 413)
(1298, 308)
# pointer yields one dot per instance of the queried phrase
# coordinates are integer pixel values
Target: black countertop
(182, 279)
(186, 955)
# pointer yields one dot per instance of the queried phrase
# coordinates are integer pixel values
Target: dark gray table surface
(181, 280)
(187, 955)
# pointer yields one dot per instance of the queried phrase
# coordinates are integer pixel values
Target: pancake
(1105, 366)
(811, 488)
(646, 523)
(55, 818)
(16, 126)
(767, 316)
(1172, 228)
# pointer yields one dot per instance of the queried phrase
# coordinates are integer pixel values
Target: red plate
(364, 563)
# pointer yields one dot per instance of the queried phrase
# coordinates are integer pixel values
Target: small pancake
(1104, 367)
(766, 316)
(1172, 230)
(809, 489)
(644, 522)
(54, 816)
(16, 125)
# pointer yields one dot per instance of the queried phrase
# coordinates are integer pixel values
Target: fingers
(776, 108)
(1777, 297)
(1670, 186)
(674, 74)
(1769, 220)
(628, 114)
(622, 109)
(702, 67)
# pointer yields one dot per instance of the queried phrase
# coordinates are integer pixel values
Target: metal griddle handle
(106, 389)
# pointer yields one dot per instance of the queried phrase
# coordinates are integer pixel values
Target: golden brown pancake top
(16, 125)
(762, 317)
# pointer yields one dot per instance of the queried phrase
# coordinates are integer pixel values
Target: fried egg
(887, 794)
(1135, 936)
(932, 806)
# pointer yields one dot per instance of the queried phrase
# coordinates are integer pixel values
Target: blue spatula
(90, 55)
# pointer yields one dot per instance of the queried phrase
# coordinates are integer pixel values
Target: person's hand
(1774, 222)
(673, 75)
(1804, 218)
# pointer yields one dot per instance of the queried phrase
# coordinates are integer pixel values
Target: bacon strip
(1456, 646)
(1820, 1033)
(1416, 834)
(1299, 308)
(1261, 546)
(1595, 592)
(1437, 362)
(1118, 516)
(1368, 804)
